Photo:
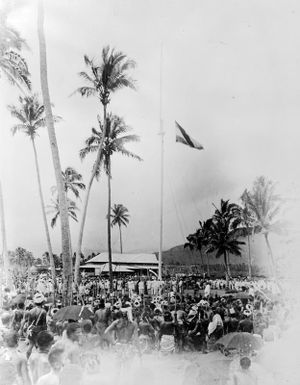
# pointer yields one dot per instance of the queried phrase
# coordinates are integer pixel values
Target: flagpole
(162, 135)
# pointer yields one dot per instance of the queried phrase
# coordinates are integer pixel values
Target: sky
(230, 77)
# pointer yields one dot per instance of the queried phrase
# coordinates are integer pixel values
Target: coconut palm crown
(107, 76)
(114, 141)
(72, 182)
(12, 64)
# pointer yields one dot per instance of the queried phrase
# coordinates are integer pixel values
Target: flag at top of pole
(183, 137)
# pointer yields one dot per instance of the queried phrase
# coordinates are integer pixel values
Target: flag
(183, 137)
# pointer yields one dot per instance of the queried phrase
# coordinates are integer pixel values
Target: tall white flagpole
(162, 134)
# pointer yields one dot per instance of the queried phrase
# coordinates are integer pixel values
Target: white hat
(38, 298)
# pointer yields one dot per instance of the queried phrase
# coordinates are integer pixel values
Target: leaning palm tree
(12, 64)
(114, 136)
(64, 219)
(265, 206)
(102, 79)
(54, 208)
(224, 233)
(31, 116)
(120, 217)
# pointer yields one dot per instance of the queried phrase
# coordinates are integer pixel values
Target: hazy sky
(230, 78)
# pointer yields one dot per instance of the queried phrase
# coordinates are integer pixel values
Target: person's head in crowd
(55, 359)
(44, 341)
(245, 363)
(73, 331)
(168, 316)
(86, 326)
(11, 339)
(5, 319)
(21, 305)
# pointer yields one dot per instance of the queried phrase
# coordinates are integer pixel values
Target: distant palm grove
(230, 226)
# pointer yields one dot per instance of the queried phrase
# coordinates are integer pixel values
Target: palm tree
(72, 182)
(200, 240)
(55, 209)
(64, 219)
(224, 233)
(12, 64)
(265, 206)
(114, 136)
(247, 226)
(120, 217)
(103, 78)
(31, 116)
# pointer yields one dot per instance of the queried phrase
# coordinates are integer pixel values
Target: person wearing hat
(37, 321)
(246, 324)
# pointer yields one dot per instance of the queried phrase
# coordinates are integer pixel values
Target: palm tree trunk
(208, 267)
(6, 264)
(272, 262)
(121, 246)
(227, 271)
(67, 260)
(85, 205)
(52, 264)
(109, 226)
(249, 258)
(201, 258)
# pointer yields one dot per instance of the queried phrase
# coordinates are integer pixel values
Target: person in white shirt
(55, 359)
(207, 290)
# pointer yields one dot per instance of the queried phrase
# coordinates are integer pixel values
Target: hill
(192, 260)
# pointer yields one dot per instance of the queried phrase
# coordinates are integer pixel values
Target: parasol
(240, 340)
(74, 312)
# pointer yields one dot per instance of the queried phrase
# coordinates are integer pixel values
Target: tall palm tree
(102, 78)
(55, 209)
(265, 206)
(31, 116)
(114, 136)
(224, 233)
(12, 64)
(64, 219)
(120, 217)
(247, 226)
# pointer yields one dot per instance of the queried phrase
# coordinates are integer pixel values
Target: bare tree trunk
(120, 232)
(85, 205)
(109, 227)
(52, 264)
(272, 261)
(67, 258)
(7, 278)
(249, 258)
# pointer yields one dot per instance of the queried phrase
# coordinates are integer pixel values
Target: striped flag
(183, 137)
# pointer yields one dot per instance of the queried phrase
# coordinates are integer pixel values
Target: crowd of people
(43, 343)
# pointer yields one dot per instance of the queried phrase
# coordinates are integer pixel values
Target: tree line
(223, 233)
